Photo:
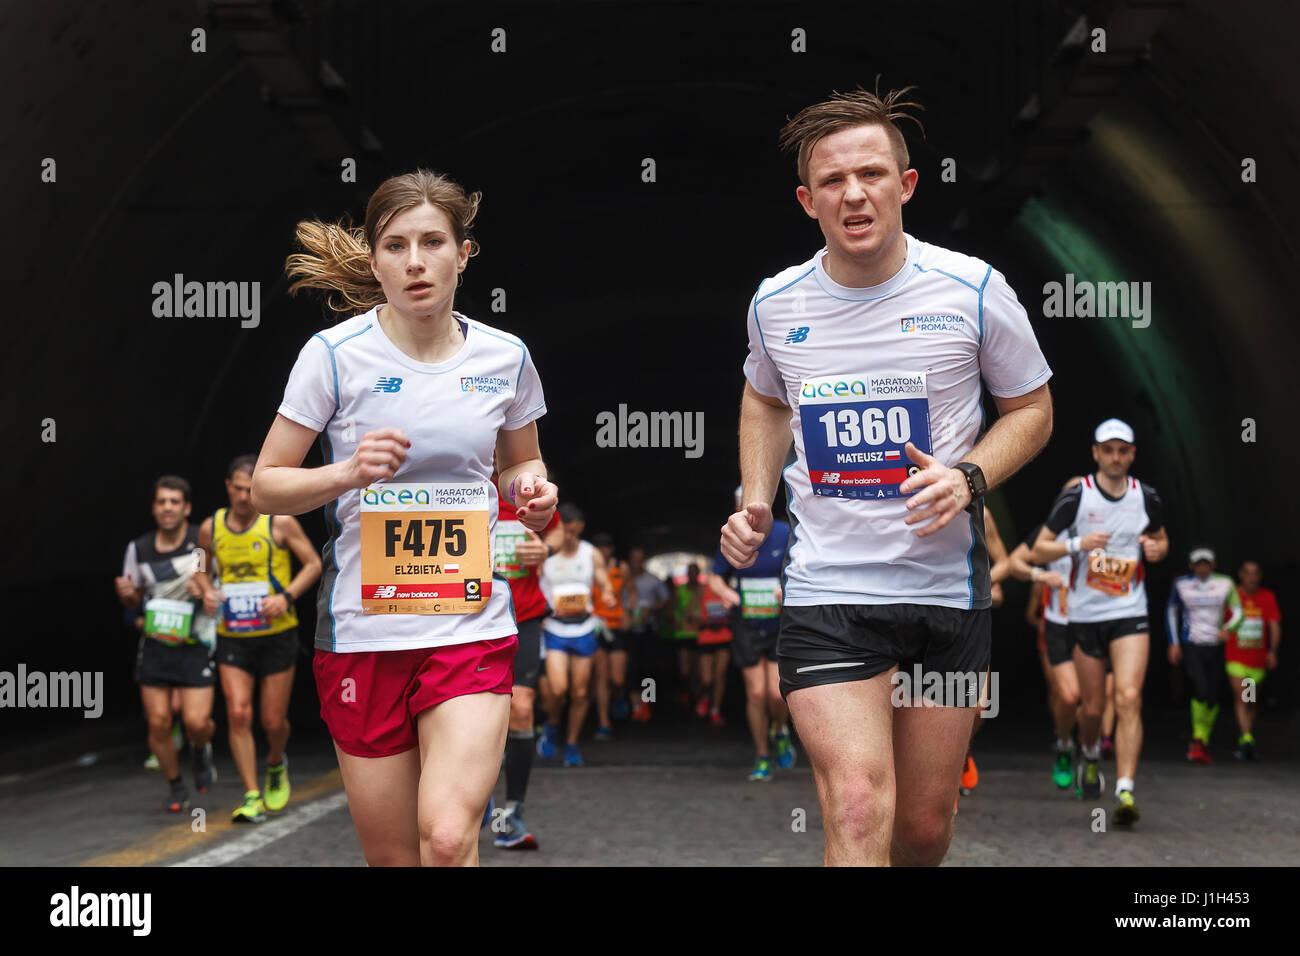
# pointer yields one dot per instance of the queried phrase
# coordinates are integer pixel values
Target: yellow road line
(180, 838)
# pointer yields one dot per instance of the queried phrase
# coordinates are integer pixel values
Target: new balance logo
(386, 384)
(796, 335)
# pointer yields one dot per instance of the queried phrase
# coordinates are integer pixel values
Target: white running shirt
(864, 370)
(1107, 585)
(567, 583)
(351, 379)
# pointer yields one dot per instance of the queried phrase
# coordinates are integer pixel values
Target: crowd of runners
(464, 623)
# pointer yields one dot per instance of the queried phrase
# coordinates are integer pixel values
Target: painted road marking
(180, 838)
(267, 833)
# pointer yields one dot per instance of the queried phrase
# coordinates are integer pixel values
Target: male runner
(871, 355)
(1197, 631)
(713, 652)
(611, 652)
(257, 627)
(1114, 523)
(1057, 648)
(757, 596)
(175, 649)
(686, 630)
(569, 633)
(518, 554)
(1249, 657)
(644, 597)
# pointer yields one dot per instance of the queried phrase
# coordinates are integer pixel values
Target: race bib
(1110, 573)
(168, 620)
(571, 600)
(758, 599)
(714, 610)
(241, 605)
(505, 544)
(425, 548)
(855, 428)
(1250, 633)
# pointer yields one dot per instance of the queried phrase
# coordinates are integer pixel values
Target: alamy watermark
(1103, 300)
(919, 688)
(77, 690)
(208, 300)
(129, 910)
(651, 430)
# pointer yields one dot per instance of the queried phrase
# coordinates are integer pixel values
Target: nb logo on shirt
(795, 336)
(386, 384)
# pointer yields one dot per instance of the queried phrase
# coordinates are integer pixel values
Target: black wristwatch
(974, 481)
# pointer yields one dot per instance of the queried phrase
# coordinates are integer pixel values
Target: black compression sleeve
(1064, 510)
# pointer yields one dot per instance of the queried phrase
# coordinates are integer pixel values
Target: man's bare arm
(764, 441)
(1023, 427)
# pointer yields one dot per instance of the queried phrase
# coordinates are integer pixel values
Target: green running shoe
(1126, 811)
(1063, 772)
(277, 784)
(1089, 781)
(252, 810)
(762, 769)
(785, 752)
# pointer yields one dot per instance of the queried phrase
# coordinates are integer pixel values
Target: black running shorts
(832, 643)
(1059, 641)
(528, 656)
(173, 665)
(1094, 637)
(260, 655)
(750, 644)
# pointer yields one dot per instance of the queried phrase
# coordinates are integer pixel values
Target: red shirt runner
(1249, 645)
(527, 593)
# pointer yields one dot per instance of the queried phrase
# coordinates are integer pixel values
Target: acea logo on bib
(390, 496)
(830, 388)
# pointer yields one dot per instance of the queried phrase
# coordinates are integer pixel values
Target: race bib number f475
(425, 548)
(855, 428)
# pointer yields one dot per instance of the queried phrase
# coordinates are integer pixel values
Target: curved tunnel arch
(1150, 192)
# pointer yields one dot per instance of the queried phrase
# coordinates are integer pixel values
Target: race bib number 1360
(425, 548)
(855, 428)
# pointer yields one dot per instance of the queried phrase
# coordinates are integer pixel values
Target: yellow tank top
(251, 568)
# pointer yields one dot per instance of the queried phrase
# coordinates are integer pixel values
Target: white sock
(1093, 752)
(1063, 745)
(1123, 783)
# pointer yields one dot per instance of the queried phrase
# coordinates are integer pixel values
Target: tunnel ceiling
(200, 163)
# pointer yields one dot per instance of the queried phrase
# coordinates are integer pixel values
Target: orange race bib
(571, 600)
(1110, 574)
(425, 548)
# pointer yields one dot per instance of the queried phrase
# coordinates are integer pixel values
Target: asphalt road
(671, 793)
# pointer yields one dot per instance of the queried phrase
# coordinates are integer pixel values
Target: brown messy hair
(337, 254)
(842, 111)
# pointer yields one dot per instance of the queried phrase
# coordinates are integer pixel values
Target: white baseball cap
(1201, 554)
(1113, 428)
